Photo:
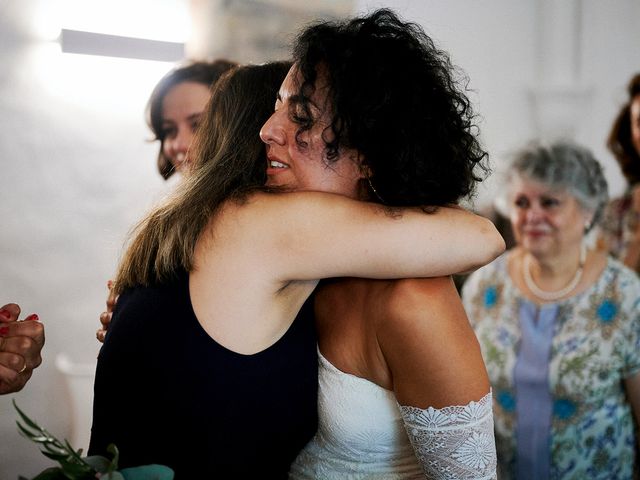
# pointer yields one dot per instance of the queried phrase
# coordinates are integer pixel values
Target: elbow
(489, 246)
(486, 246)
(495, 244)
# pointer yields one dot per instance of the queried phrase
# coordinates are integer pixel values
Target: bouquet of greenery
(73, 466)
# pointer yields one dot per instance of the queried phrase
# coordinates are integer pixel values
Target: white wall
(495, 42)
(610, 56)
(76, 170)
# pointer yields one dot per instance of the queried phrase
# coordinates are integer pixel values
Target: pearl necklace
(553, 295)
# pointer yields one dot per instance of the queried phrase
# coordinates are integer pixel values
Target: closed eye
(194, 121)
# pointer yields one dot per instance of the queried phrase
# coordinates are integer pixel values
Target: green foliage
(73, 466)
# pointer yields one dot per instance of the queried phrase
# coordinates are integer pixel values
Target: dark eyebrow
(298, 99)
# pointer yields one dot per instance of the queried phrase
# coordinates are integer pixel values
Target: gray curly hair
(568, 166)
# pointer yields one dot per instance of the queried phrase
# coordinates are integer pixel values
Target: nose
(272, 131)
(182, 140)
(534, 213)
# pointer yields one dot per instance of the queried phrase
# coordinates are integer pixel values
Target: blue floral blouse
(593, 344)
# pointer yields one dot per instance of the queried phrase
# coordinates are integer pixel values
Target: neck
(554, 268)
(551, 279)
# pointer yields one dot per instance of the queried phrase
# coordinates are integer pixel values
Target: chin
(281, 185)
(271, 182)
(536, 247)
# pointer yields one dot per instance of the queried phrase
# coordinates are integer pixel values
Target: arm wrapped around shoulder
(454, 442)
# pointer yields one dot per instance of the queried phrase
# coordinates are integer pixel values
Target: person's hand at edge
(21, 343)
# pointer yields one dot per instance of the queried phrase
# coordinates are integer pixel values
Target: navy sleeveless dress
(167, 393)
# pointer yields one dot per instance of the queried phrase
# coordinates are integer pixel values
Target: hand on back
(105, 317)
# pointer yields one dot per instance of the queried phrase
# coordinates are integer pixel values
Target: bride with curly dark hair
(403, 390)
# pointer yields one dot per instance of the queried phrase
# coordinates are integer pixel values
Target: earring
(373, 189)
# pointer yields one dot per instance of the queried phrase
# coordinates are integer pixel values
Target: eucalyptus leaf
(27, 433)
(148, 472)
(74, 470)
(113, 450)
(75, 467)
(53, 456)
(26, 419)
(52, 447)
(72, 451)
(98, 462)
(112, 476)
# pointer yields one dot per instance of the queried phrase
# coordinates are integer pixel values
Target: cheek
(575, 226)
(167, 151)
(635, 135)
(516, 217)
(188, 136)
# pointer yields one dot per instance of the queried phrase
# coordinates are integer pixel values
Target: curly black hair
(395, 100)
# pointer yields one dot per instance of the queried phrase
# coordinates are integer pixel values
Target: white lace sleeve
(454, 442)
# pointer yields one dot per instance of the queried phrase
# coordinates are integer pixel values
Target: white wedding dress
(362, 433)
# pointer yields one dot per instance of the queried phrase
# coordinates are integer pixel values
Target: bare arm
(430, 349)
(317, 235)
(439, 379)
(291, 240)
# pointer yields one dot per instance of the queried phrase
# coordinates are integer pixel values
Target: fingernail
(4, 331)
(33, 317)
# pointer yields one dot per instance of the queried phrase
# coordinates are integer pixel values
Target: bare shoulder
(254, 210)
(247, 204)
(414, 301)
(421, 315)
(429, 348)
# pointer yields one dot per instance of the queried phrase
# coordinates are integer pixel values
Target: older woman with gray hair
(559, 327)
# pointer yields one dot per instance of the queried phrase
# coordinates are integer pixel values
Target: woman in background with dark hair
(621, 224)
(175, 107)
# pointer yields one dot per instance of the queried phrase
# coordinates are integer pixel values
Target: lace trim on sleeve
(454, 442)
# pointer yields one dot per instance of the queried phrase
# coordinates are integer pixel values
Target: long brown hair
(229, 160)
(619, 141)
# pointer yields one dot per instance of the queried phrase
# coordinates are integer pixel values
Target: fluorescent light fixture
(91, 43)
(165, 20)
